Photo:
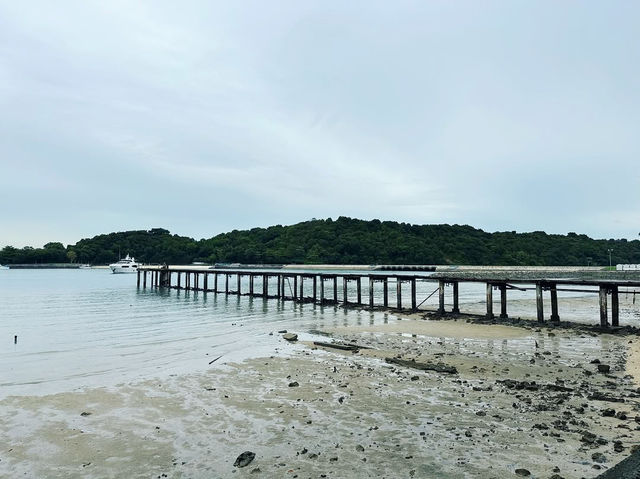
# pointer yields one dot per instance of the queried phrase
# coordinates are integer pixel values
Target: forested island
(340, 241)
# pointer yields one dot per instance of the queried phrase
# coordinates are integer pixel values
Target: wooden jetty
(324, 288)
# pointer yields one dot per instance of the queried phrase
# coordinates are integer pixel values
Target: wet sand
(521, 399)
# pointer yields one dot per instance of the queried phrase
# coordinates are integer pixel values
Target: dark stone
(294, 384)
(244, 459)
(290, 336)
(604, 368)
(598, 396)
(621, 415)
(608, 412)
(598, 457)
(523, 472)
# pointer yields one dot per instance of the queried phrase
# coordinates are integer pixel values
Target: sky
(202, 117)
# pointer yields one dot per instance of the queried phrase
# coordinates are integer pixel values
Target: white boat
(126, 265)
(3, 267)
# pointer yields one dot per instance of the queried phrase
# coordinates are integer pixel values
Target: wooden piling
(335, 289)
(215, 282)
(250, 284)
(385, 292)
(138, 279)
(265, 285)
(441, 285)
(604, 323)
(456, 308)
(144, 280)
(503, 301)
(315, 288)
(615, 307)
(489, 314)
(371, 305)
(205, 283)
(226, 283)
(301, 287)
(539, 302)
(238, 281)
(295, 286)
(359, 290)
(553, 290)
(414, 300)
(399, 293)
(345, 297)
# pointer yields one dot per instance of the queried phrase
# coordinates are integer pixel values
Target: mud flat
(536, 401)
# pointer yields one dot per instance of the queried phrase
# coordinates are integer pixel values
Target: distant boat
(3, 267)
(126, 265)
(84, 266)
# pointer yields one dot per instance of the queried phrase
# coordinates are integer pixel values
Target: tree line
(340, 241)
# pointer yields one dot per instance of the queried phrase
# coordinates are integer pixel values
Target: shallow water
(88, 327)
(78, 328)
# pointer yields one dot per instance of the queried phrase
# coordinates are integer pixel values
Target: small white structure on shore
(628, 267)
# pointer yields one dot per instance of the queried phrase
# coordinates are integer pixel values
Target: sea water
(66, 329)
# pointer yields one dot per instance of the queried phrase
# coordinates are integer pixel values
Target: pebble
(244, 459)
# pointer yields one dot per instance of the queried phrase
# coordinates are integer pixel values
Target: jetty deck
(346, 288)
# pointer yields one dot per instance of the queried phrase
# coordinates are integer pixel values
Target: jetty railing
(290, 286)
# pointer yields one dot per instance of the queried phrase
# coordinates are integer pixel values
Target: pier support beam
(138, 280)
(359, 289)
(280, 293)
(371, 292)
(399, 293)
(441, 285)
(315, 288)
(250, 284)
(165, 278)
(503, 301)
(345, 297)
(414, 301)
(604, 323)
(456, 307)
(295, 287)
(205, 284)
(321, 290)
(554, 303)
(265, 285)
(539, 303)
(215, 282)
(385, 292)
(239, 279)
(335, 289)
(226, 283)
(615, 307)
(144, 280)
(489, 314)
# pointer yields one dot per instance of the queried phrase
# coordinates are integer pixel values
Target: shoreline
(520, 400)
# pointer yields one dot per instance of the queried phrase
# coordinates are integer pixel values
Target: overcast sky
(202, 117)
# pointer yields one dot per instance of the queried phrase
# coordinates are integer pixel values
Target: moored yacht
(126, 265)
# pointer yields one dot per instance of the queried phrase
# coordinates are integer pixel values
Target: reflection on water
(89, 327)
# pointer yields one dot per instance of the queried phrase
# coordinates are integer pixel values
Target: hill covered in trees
(341, 241)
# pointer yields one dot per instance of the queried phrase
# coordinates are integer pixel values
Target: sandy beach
(520, 400)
